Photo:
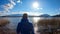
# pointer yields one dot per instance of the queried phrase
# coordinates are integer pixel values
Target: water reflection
(36, 19)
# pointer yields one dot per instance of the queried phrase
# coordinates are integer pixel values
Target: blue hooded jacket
(25, 27)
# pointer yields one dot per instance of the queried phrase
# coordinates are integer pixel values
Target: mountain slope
(45, 15)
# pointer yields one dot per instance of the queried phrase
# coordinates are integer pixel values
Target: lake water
(15, 20)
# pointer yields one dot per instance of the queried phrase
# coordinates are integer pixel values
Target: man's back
(25, 27)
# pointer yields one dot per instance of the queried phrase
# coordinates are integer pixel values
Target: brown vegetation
(3, 22)
(54, 23)
(3, 28)
(46, 22)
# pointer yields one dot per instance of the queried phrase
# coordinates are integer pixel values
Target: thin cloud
(41, 8)
(59, 11)
(59, 8)
(18, 1)
(12, 2)
(0, 12)
(9, 5)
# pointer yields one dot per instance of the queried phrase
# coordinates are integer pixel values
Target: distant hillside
(56, 15)
(15, 15)
(45, 15)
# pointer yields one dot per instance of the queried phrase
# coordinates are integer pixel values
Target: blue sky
(51, 7)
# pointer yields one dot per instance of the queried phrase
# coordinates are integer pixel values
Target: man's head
(25, 15)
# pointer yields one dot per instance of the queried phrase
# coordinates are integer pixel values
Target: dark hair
(25, 15)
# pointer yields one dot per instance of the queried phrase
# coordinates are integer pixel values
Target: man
(25, 27)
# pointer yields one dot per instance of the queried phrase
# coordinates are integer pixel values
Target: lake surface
(15, 20)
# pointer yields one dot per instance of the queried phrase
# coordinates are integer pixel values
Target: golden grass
(3, 22)
(54, 23)
(46, 22)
